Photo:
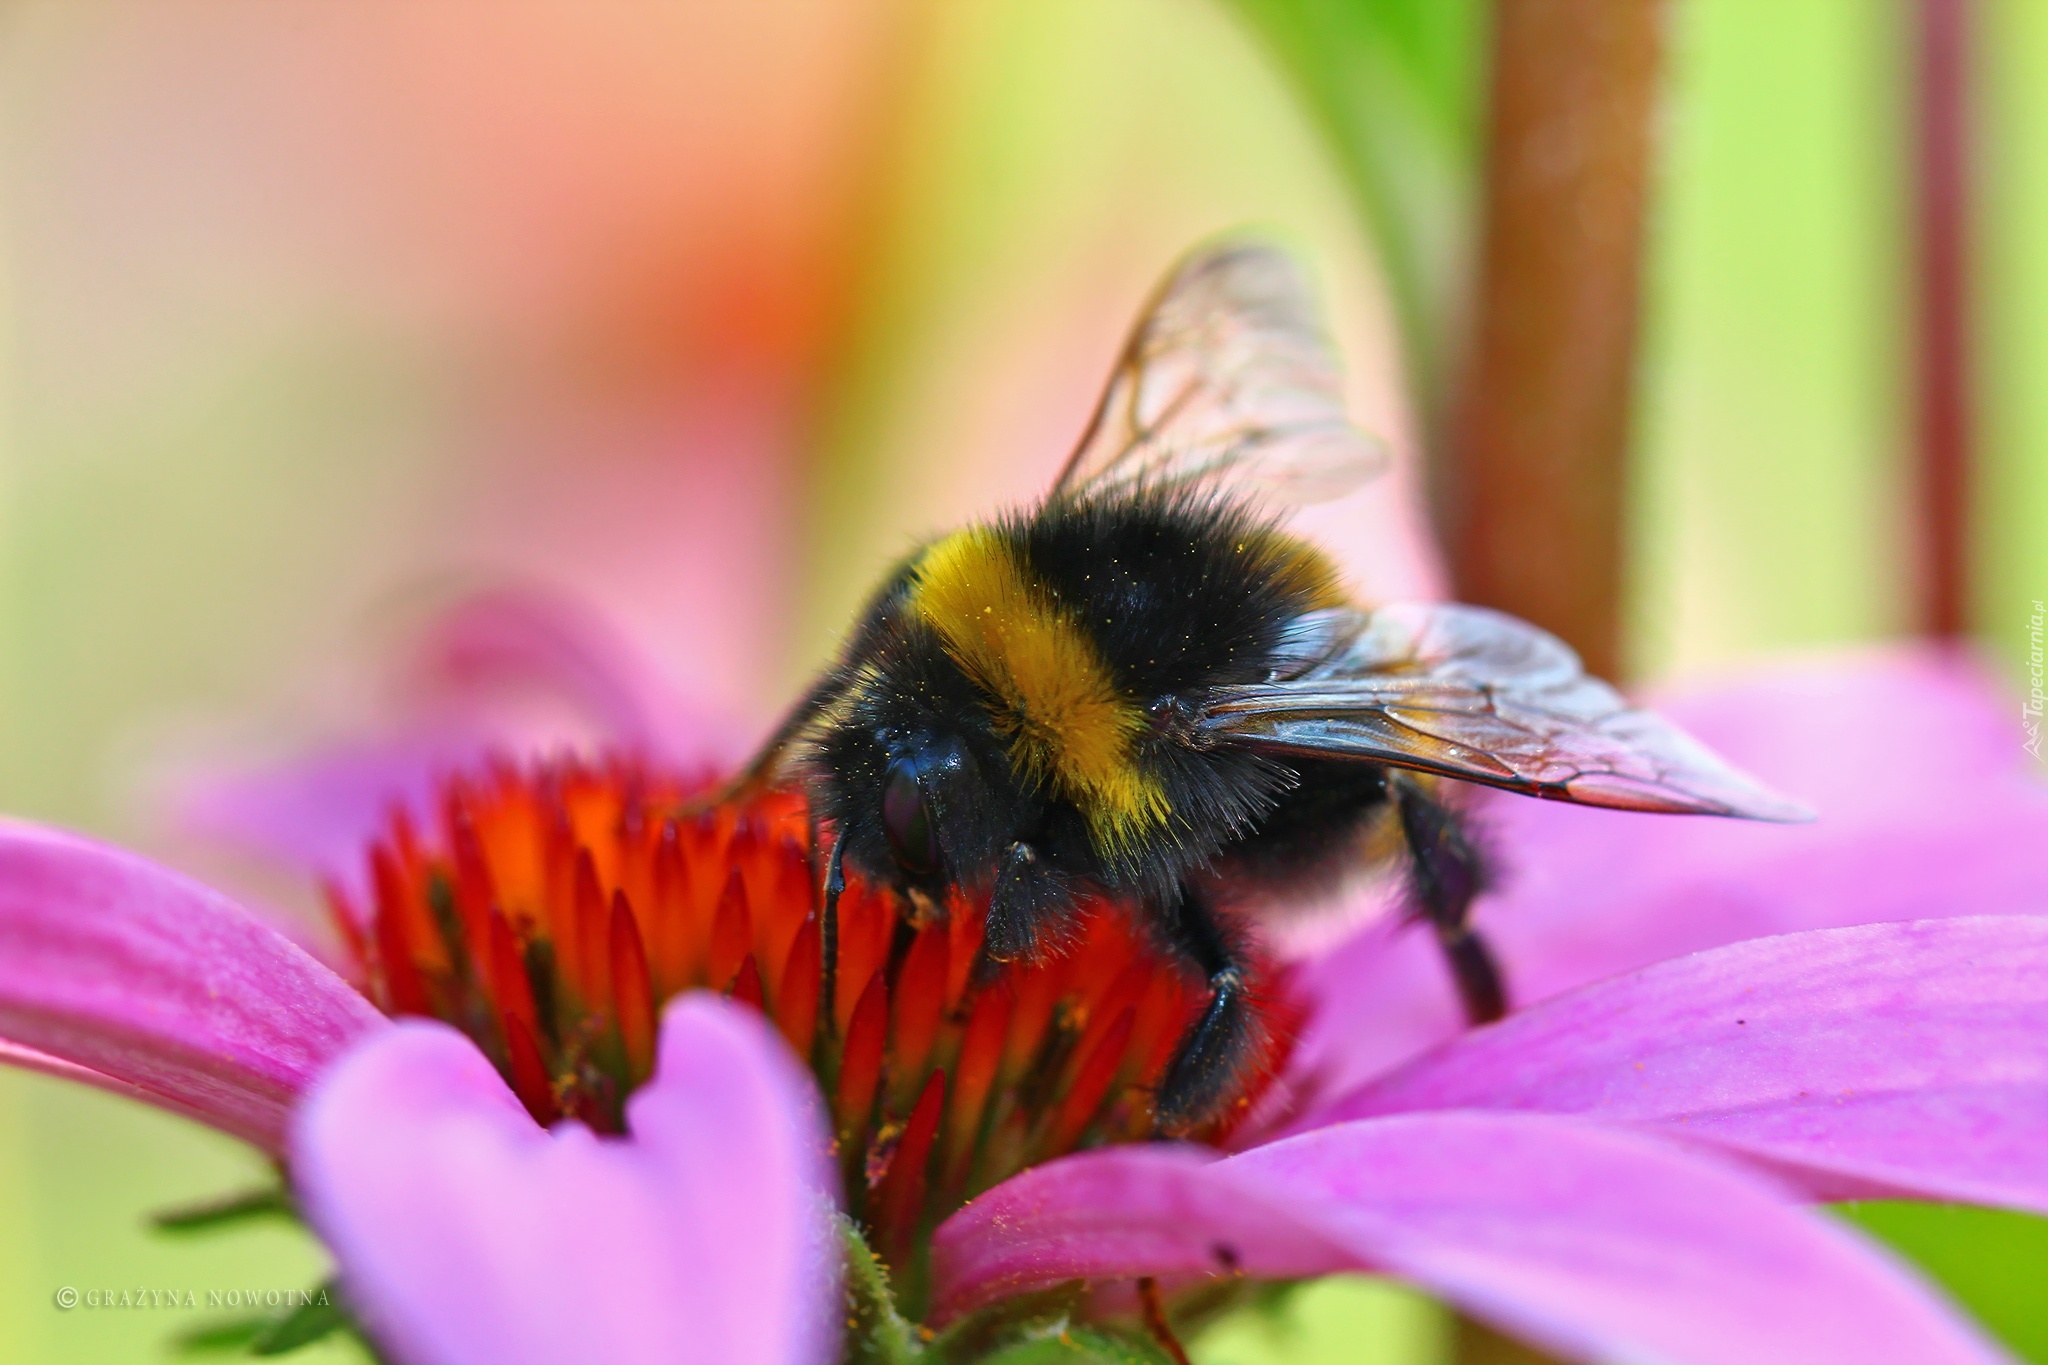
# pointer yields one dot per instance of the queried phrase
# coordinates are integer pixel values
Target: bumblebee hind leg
(1447, 872)
(1212, 1052)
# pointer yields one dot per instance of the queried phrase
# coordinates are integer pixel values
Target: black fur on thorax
(1164, 586)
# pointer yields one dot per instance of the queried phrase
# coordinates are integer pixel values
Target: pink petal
(467, 1234)
(1377, 999)
(512, 670)
(43, 1064)
(1595, 1244)
(1926, 811)
(320, 814)
(114, 964)
(1828, 724)
(531, 640)
(1889, 1060)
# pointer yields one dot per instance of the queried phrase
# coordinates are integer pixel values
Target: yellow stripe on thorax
(1057, 705)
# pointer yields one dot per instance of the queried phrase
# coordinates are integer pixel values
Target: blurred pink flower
(1613, 1170)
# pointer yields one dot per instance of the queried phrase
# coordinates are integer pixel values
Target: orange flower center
(549, 911)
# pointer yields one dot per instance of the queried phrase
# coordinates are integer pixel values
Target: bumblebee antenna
(828, 978)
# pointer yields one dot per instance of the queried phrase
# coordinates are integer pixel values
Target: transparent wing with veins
(1228, 381)
(1477, 695)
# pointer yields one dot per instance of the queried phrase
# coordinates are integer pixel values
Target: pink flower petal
(528, 639)
(1926, 811)
(1888, 1060)
(1595, 1244)
(467, 1234)
(320, 814)
(1828, 724)
(509, 671)
(124, 968)
(43, 1064)
(1379, 998)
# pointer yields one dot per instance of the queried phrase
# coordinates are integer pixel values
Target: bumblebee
(1145, 687)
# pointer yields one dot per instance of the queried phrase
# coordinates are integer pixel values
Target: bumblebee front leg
(1448, 872)
(1212, 1051)
(1031, 901)
(828, 925)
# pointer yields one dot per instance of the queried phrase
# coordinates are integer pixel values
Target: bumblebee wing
(1227, 381)
(1480, 696)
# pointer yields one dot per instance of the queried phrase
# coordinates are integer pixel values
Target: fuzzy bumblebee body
(1146, 687)
(1060, 651)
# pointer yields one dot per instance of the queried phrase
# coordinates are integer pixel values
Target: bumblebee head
(923, 782)
(918, 808)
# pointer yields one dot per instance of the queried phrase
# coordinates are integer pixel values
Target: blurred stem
(1942, 350)
(1474, 1343)
(1531, 484)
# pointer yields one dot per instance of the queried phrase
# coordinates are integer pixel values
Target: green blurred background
(302, 309)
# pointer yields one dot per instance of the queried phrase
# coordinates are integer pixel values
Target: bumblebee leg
(1478, 976)
(1212, 1051)
(1031, 901)
(828, 934)
(1448, 873)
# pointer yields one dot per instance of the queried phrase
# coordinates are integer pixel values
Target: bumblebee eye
(907, 820)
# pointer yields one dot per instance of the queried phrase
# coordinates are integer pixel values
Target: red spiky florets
(549, 911)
